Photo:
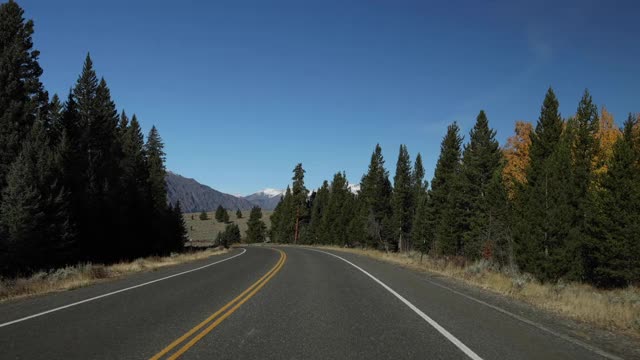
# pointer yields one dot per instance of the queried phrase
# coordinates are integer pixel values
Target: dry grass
(205, 231)
(72, 277)
(617, 310)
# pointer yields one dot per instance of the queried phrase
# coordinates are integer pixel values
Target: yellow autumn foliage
(516, 153)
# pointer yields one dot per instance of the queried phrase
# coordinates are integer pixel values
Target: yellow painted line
(266, 276)
(204, 332)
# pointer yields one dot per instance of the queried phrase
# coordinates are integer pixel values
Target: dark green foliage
(21, 93)
(584, 147)
(314, 234)
(33, 211)
(481, 159)
(446, 196)
(77, 181)
(222, 215)
(544, 212)
(615, 227)
(256, 228)
(403, 201)
(338, 213)
(375, 194)
(203, 215)
(155, 162)
(229, 236)
(238, 214)
(294, 207)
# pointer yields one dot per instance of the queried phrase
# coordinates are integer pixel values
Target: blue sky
(241, 91)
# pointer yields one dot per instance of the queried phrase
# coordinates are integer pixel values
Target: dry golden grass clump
(80, 275)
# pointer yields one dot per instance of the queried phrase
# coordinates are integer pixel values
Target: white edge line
(440, 329)
(115, 292)
(532, 323)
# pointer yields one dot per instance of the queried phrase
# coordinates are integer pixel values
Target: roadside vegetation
(79, 182)
(551, 218)
(80, 275)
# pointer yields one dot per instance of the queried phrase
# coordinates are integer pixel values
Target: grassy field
(205, 231)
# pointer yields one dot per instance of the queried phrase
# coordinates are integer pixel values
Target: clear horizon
(243, 91)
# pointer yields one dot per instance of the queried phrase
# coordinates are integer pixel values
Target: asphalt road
(283, 303)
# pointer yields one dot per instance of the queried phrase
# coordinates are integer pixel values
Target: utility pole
(295, 238)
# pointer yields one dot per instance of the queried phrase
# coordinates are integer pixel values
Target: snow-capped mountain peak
(272, 192)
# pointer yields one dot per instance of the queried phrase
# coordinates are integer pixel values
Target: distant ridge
(196, 197)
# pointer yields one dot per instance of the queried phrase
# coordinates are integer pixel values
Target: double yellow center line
(219, 316)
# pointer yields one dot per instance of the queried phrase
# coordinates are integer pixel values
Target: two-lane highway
(276, 303)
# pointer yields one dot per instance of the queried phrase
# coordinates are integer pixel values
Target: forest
(78, 180)
(559, 201)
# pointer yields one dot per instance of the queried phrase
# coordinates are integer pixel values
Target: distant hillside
(267, 199)
(195, 197)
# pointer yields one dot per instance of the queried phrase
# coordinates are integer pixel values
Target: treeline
(78, 182)
(560, 201)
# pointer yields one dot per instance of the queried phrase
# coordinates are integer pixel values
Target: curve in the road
(459, 344)
(116, 292)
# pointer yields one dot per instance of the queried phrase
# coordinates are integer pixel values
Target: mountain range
(195, 197)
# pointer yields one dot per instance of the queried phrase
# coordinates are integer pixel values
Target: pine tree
(403, 201)
(204, 216)
(446, 195)
(220, 211)
(299, 195)
(316, 229)
(177, 235)
(135, 207)
(154, 151)
(21, 93)
(33, 213)
(421, 233)
(375, 191)
(256, 228)
(238, 214)
(338, 213)
(544, 213)
(480, 160)
(231, 235)
(584, 148)
(616, 224)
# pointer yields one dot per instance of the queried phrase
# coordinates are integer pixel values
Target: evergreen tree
(135, 207)
(375, 191)
(616, 224)
(204, 216)
(584, 149)
(299, 195)
(421, 233)
(256, 228)
(316, 229)
(238, 214)
(544, 213)
(33, 213)
(480, 160)
(403, 200)
(177, 235)
(21, 93)
(220, 211)
(338, 213)
(154, 151)
(231, 235)
(446, 195)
